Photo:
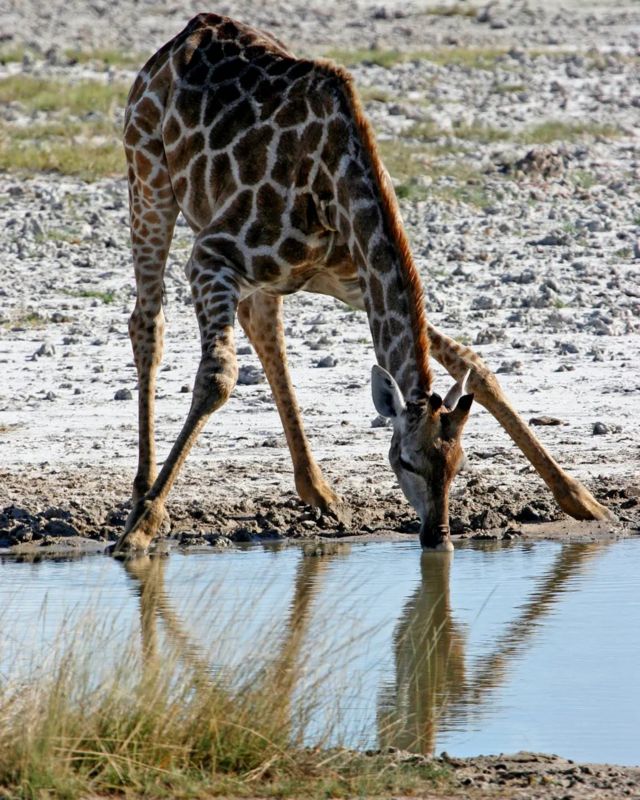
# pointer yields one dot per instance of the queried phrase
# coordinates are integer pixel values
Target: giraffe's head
(426, 450)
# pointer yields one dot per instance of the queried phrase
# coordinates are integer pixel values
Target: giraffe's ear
(387, 397)
(456, 419)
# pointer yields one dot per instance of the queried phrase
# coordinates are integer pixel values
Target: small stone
(326, 362)
(380, 422)
(250, 375)
(34, 227)
(245, 350)
(45, 349)
(489, 336)
(546, 421)
(123, 394)
(57, 527)
(551, 240)
(185, 389)
(483, 303)
(600, 429)
(567, 348)
(510, 368)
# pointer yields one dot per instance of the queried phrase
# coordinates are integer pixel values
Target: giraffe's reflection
(435, 687)
(280, 669)
(429, 650)
(155, 606)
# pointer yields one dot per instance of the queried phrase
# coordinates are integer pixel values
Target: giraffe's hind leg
(153, 212)
(261, 318)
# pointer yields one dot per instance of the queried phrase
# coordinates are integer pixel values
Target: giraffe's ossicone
(274, 165)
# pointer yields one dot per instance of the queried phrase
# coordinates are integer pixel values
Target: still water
(495, 649)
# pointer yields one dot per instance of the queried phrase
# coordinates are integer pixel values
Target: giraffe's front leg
(572, 497)
(261, 318)
(216, 294)
(146, 329)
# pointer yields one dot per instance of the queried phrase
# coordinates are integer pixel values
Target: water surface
(496, 649)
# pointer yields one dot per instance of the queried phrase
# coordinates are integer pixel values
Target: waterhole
(499, 648)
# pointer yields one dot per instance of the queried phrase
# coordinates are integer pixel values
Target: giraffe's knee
(146, 331)
(216, 379)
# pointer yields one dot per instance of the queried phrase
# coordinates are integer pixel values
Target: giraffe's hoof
(579, 503)
(145, 521)
(339, 511)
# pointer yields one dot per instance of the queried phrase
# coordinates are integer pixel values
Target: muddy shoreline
(91, 508)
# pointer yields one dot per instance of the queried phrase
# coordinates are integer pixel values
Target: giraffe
(273, 164)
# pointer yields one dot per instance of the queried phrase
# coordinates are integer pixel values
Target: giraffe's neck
(369, 219)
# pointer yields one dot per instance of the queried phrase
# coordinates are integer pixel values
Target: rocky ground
(528, 243)
(534, 776)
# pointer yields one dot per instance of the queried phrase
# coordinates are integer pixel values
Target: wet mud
(91, 509)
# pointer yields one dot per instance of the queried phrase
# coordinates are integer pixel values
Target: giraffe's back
(242, 125)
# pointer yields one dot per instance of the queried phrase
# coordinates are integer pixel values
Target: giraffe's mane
(391, 214)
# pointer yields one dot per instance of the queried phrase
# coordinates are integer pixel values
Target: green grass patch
(482, 133)
(470, 58)
(374, 94)
(425, 131)
(107, 297)
(381, 58)
(508, 88)
(583, 178)
(44, 94)
(430, 131)
(107, 57)
(420, 173)
(12, 53)
(28, 319)
(80, 134)
(89, 160)
(559, 131)
(453, 10)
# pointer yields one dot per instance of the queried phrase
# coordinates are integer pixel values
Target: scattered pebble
(546, 421)
(45, 350)
(510, 368)
(248, 375)
(123, 394)
(326, 362)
